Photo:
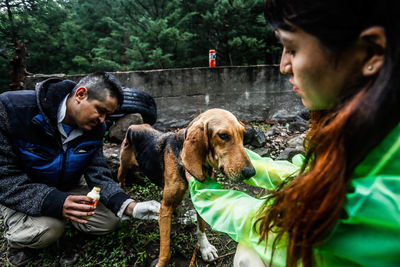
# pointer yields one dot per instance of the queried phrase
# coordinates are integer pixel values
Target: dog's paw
(208, 251)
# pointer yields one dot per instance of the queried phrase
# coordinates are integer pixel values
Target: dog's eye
(224, 136)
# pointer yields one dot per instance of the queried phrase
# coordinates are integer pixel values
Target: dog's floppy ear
(195, 149)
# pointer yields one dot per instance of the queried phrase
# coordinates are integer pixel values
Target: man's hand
(148, 210)
(74, 208)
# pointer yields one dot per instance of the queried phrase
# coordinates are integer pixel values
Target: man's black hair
(99, 85)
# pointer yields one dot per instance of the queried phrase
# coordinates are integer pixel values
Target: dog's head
(215, 138)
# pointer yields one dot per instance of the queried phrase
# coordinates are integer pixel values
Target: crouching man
(51, 155)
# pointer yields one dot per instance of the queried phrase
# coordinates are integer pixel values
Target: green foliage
(75, 36)
(262, 126)
(237, 30)
(160, 38)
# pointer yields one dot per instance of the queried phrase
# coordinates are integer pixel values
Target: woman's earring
(370, 67)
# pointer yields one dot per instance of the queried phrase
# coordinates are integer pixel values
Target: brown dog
(213, 140)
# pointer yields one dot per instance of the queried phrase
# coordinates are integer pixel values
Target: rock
(305, 114)
(288, 154)
(273, 130)
(118, 130)
(253, 137)
(296, 141)
(248, 135)
(272, 122)
(111, 153)
(259, 139)
(250, 147)
(283, 116)
(262, 151)
(298, 126)
(294, 146)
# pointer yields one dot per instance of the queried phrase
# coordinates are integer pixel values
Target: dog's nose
(248, 172)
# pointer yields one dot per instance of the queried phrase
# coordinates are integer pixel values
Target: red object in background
(212, 58)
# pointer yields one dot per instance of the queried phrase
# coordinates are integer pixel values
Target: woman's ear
(80, 94)
(374, 39)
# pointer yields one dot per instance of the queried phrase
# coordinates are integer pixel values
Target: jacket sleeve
(97, 173)
(234, 212)
(269, 172)
(17, 190)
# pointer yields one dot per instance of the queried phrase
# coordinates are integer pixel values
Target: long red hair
(307, 207)
(303, 210)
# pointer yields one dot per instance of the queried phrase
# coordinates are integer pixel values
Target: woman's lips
(295, 88)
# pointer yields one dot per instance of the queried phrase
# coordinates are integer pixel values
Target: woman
(343, 208)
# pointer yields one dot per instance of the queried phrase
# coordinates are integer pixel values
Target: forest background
(84, 36)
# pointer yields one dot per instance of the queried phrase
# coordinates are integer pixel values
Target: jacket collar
(49, 95)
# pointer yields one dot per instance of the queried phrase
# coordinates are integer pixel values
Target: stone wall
(251, 93)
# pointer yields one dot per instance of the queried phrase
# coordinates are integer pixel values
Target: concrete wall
(251, 93)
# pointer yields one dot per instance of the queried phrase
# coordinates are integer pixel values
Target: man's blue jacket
(35, 171)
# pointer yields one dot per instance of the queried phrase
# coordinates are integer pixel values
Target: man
(50, 139)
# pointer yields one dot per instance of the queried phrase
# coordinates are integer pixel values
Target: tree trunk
(18, 67)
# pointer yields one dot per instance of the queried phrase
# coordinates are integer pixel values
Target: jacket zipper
(62, 175)
(60, 145)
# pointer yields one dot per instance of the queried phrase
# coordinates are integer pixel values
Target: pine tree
(82, 36)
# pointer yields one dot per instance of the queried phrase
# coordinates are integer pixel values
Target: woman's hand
(188, 175)
(74, 208)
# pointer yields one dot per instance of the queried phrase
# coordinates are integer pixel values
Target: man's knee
(33, 232)
(55, 228)
(101, 223)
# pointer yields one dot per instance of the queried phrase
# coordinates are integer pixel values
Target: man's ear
(80, 94)
(375, 40)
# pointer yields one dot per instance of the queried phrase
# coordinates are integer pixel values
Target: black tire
(136, 101)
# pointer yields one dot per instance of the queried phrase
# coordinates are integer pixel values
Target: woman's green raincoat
(368, 234)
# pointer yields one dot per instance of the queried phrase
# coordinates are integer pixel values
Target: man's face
(89, 113)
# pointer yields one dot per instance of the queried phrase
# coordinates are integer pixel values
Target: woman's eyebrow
(283, 39)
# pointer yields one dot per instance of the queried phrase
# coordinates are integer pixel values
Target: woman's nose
(285, 66)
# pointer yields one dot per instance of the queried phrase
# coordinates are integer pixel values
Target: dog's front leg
(164, 222)
(208, 251)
